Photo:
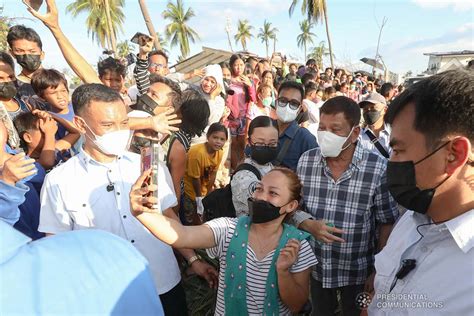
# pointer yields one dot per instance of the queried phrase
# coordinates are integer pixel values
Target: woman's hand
(207, 272)
(17, 168)
(141, 201)
(288, 255)
(245, 80)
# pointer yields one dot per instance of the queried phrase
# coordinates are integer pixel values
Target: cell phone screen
(35, 4)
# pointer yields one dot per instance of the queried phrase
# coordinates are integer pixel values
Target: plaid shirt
(355, 203)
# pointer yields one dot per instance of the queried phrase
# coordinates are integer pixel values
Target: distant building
(440, 62)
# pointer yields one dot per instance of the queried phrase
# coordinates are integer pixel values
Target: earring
(451, 158)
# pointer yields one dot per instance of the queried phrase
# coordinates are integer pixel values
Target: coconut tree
(103, 28)
(317, 11)
(306, 36)
(178, 30)
(163, 42)
(149, 23)
(267, 33)
(123, 49)
(319, 52)
(243, 33)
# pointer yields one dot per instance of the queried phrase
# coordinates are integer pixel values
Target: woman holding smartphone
(265, 264)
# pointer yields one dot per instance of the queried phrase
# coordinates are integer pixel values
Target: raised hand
(163, 123)
(48, 126)
(17, 168)
(50, 19)
(288, 255)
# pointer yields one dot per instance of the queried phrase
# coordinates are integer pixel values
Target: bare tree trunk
(274, 44)
(110, 31)
(266, 47)
(329, 37)
(230, 42)
(149, 24)
(304, 58)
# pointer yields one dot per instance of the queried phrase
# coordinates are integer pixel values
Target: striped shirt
(142, 76)
(257, 271)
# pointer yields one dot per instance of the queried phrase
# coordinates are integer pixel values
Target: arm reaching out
(166, 229)
(77, 63)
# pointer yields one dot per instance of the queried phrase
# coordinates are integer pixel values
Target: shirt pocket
(81, 211)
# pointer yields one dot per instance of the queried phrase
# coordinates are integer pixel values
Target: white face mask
(331, 144)
(285, 114)
(114, 143)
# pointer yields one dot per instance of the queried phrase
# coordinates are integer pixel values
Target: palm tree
(123, 49)
(178, 30)
(306, 36)
(163, 42)
(102, 27)
(243, 33)
(149, 23)
(316, 10)
(319, 52)
(267, 33)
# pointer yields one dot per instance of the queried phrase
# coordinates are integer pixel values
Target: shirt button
(132, 241)
(125, 216)
(110, 170)
(83, 205)
(118, 193)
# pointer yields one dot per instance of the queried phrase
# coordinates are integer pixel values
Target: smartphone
(34, 4)
(150, 160)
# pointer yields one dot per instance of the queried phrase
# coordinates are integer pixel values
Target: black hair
(307, 77)
(217, 127)
(310, 61)
(339, 86)
(194, 113)
(328, 68)
(86, 93)
(160, 53)
(262, 121)
(266, 72)
(344, 105)
(7, 59)
(176, 90)
(233, 59)
(310, 87)
(386, 88)
(43, 79)
(111, 64)
(25, 122)
(444, 104)
(292, 64)
(292, 85)
(225, 64)
(251, 58)
(19, 32)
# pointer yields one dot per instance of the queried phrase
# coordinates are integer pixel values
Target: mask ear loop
(431, 154)
(348, 145)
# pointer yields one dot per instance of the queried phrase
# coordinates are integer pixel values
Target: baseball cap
(374, 98)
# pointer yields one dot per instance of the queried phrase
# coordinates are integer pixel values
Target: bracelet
(193, 259)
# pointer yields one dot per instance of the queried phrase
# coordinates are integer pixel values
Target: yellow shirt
(200, 165)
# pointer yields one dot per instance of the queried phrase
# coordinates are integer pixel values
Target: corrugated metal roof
(459, 53)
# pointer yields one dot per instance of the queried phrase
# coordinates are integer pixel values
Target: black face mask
(263, 154)
(401, 179)
(371, 117)
(145, 103)
(262, 211)
(29, 62)
(7, 90)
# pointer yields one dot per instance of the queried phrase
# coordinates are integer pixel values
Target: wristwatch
(194, 258)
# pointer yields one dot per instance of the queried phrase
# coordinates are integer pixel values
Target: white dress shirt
(442, 283)
(383, 139)
(75, 196)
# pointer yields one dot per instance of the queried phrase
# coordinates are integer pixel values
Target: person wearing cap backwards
(431, 173)
(376, 135)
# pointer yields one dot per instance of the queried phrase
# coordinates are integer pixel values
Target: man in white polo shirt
(427, 265)
(91, 190)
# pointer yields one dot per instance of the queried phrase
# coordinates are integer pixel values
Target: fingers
(335, 230)
(332, 238)
(139, 183)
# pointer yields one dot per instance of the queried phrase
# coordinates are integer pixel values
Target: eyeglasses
(283, 102)
(154, 65)
(260, 146)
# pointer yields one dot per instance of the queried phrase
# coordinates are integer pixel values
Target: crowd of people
(316, 191)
